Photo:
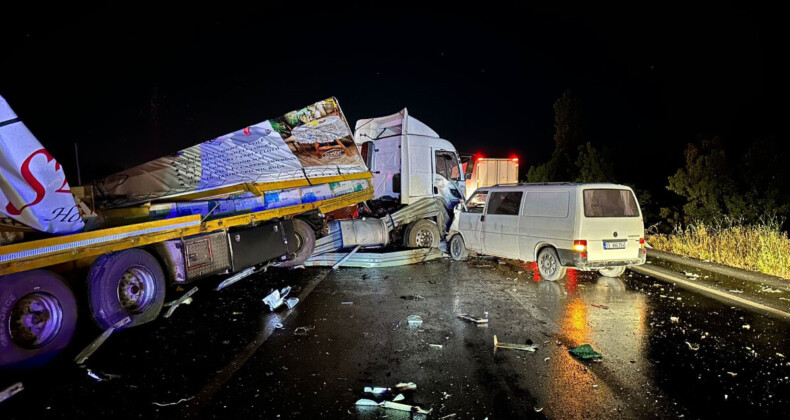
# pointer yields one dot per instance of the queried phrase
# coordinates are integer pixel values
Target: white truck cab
(586, 226)
(409, 161)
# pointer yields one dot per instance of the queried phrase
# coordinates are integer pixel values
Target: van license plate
(614, 245)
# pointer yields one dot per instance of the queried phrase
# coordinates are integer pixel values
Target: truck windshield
(610, 203)
(447, 165)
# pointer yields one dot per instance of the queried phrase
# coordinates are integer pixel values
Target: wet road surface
(667, 353)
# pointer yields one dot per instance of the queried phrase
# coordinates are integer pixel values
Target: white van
(558, 225)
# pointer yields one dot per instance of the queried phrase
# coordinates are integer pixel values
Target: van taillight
(580, 245)
(641, 242)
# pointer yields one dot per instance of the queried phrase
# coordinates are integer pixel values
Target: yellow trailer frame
(52, 251)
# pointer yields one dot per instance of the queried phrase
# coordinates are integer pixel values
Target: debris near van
(415, 321)
(472, 318)
(600, 306)
(436, 346)
(291, 302)
(277, 298)
(304, 331)
(513, 346)
(100, 376)
(692, 346)
(406, 386)
(585, 352)
(378, 391)
(95, 344)
(412, 297)
(691, 275)
(185, 299)
(11, 391)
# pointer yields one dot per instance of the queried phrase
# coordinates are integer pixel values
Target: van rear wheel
(612, 271)
(549, 265)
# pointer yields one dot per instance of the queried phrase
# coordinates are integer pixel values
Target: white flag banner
(33, 187)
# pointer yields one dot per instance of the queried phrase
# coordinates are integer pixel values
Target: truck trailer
(283, 192)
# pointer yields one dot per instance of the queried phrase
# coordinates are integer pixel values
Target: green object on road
(585, 352)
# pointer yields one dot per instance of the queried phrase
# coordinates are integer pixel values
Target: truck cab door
(383, 158)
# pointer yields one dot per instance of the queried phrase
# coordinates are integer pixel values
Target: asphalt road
(224, 357)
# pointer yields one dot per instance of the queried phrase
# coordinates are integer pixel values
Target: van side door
(501, 226)
(470, 221)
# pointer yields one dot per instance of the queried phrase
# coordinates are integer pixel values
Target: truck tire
(612, 271)
(38, 315)
(549, 265)
(126, 283)
(422, 234)
(458, 248)
(305, 236)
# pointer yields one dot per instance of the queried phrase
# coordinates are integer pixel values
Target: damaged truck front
(277, 192)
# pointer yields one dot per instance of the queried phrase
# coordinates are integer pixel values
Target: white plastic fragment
(436, 346)
(513, 346)
(291, 302)
(11, 391)
(674, 319)
(366, 402)
(472, 318)
(692, 347)
(276, 298)
(403, 407)
(399, 397)
(746, 327)
(733, 374)
(538, 409)
(376, 390)
(780, 355)
(406, 386)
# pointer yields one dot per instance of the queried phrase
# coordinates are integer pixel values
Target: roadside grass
(761, 247)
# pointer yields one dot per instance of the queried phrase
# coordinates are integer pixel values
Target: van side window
(610, 203)
(477, 202)
(547, 204)
(505, 202)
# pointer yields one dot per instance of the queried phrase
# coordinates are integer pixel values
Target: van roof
(569, 185)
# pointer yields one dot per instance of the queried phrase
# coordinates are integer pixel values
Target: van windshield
(610, 203)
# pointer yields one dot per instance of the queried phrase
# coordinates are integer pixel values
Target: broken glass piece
(513, 346)
(415, 321)
(406, 386)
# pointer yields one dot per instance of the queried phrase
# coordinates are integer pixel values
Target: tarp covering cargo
(307, 144)
(33, 187)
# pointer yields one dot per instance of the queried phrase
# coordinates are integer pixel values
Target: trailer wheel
(38, 315)
(305, 237)
(458, 248)
(422, 234)
(127, 283)
(549, 265)
(612, 271)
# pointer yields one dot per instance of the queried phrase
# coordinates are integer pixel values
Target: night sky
(129, 84)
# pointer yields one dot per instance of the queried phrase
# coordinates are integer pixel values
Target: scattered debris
(399, 397)
(278, 326)
(600, 306)
(346, 303)
(364, 402)
(595, 386)
(735, 291)
(768, 289)
(674, 319)
(436, 346)
(376, 390)
(585, 352)
(446, 396)
(547, 359)
(513, 346)
(472, 318)
(746, 327)
(93, 346)
(415, 321)
(291, 302)
(733, 374)
(780, 355)
(692, 347)
(100, 376)
(783, 298)
(449, 416)
(406, 386)
(240, 276)
(11, 391)
(691, 275)
(276, 298)
(304, 330)
(174, 403)
(185, 299)
(403, 407)
(412, 297)
(538, 409)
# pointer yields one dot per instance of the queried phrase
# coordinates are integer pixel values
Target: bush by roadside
(761, 247)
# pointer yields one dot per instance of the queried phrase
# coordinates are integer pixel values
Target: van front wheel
(549, 265)
(612, 271)
(458, 248)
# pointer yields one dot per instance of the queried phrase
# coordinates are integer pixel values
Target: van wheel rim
(456, 247)
(136, 289)
(35, 320)
(424, 238)
(548, 264)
